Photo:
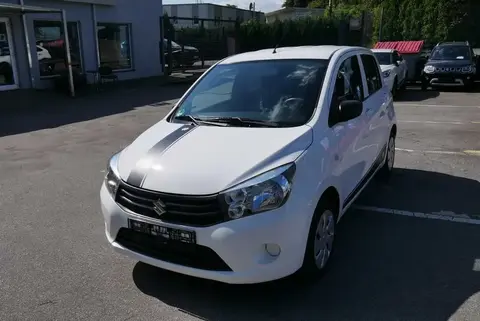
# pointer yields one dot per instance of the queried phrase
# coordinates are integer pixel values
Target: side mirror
(396, 63)
(349, 109)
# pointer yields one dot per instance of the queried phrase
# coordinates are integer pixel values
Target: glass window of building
(50, 46)
(114, 45)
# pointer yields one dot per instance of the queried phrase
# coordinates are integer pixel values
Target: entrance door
(8, 67)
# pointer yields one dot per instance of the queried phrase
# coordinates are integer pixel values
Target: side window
(397, 56)
(372, 73)
(348, 85)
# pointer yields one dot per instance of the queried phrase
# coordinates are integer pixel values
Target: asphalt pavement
(55, 263)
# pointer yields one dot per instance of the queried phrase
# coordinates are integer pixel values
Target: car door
(348, 138)
(377, 98)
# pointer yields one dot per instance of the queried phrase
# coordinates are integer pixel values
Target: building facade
(191, 15)
(100, 33)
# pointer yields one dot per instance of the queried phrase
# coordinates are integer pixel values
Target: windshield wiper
(197, 121)
(242, 121)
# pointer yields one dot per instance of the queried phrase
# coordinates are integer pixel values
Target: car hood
(387, 67)
(448, 63)
(201, 160)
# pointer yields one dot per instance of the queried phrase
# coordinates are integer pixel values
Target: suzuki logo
(159, 207)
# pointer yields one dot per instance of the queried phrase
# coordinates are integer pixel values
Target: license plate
(164, 232)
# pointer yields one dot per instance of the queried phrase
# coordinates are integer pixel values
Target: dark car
(186, 57)
(450, 64)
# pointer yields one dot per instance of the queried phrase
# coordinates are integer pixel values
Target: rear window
(282, 91)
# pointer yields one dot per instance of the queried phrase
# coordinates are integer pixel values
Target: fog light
(273, 249)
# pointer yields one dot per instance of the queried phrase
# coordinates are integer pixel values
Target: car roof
(384, 50)
(302, 52)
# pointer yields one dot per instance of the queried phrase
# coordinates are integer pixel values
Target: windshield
(384, 58)
(280, 91)
(451, 53)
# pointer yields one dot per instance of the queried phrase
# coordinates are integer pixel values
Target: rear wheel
(394, 87)
(386, 171)
(320, 245)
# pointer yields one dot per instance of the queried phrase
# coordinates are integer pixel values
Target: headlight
(469, 69)
(262, 193)
(112, 178)
(386, 73)
(429, 69)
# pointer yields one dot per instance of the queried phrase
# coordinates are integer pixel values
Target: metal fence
(192, 44)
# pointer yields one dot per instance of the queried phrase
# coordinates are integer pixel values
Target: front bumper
(239, 243)
(447, 79)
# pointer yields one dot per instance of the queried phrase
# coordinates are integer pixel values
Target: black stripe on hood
(139, 173)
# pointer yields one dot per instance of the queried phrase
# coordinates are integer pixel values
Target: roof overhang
(8, 8)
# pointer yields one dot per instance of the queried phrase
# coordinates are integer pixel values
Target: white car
(394, 68)
(247, 176)
(42, 53)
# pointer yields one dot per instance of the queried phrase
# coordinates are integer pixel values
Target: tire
(424, 86)
(469, 86)
(323, 223)
(394, 88)
(385, 172)
(404, 84)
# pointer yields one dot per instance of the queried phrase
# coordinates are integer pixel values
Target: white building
(292, 13)
(191, 14)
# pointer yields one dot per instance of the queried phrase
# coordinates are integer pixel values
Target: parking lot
(407, 251)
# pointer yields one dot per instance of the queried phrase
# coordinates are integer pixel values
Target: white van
(246, 177)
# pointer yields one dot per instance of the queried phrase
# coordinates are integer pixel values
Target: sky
(263, 5)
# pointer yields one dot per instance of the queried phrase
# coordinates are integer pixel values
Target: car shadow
(386, 267)
(424, 191)
(413, 94)
(29, 110)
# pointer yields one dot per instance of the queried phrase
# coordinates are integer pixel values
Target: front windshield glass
(384, 58)
(277, 91)
(451, 53)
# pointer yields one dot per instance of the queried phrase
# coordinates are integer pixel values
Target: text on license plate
(164, 232)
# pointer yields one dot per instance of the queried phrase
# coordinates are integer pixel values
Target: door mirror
(396, 63)
(349, 109)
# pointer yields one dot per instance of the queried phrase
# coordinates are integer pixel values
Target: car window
(374, 82)
(384, 58)
(348, 85)
(282, 91)
(39, 48)
(451, 53)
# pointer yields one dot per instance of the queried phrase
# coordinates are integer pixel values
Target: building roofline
(282, 10)
(209, 4)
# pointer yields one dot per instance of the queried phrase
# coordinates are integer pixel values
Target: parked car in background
(246, 178)
(394, 68)
(451, 64)
(186, 57)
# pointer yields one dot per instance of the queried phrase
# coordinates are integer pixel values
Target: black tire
(469, 86)
(394, 87)
(326, 208)
(385, 172)
(424, 86)
(404, 84)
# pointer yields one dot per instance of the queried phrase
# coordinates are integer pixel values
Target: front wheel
(386, 171)
(320, 244)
